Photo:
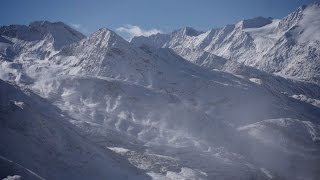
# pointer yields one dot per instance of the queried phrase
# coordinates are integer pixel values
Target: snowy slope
(162, 70)
(104, 53)
(290, 140)
(166, 115)
(145, 107)
(134, 107)
(288, 47)
(297, 53)
(35, 135)
(162, 104)
(38, 40)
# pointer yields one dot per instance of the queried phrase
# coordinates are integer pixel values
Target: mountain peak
(311, 12)
(105, 30)
(105, 37)
(188, 31)
(60, 33)
(45, 23)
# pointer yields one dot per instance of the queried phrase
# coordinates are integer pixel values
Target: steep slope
(296, 53)
(166, 115)
(35, 135)
(291, 141)
(288, 47)
(166, 106)
(104, 53)
(274, 83)
(38, 40)
(120, 104)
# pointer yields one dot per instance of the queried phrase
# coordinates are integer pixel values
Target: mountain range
(237, 102)
(287, 47)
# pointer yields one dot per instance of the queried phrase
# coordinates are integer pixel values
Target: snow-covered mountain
(39, 142)
(185, 105)
(288, 47)
(38, 40)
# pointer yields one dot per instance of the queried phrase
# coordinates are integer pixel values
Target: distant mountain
(38, 40)
(288, 47)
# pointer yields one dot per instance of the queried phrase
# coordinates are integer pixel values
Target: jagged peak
(104, 33)
(228, 27)
(188, 31)
(60, 33)
(50, 27)
(104, 37)
(293, 18)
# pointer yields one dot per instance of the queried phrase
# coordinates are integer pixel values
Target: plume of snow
(79, 27)
(130, 31)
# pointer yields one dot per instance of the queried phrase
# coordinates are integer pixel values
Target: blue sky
(143, 16)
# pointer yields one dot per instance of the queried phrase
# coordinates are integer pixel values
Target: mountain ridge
(269, 46)
(185, 105)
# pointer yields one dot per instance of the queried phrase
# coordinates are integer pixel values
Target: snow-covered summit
(288, 47)
(61, 33)
(106, 54)
(104, 38)
(188, 31)
(298, 15)
(38, 40)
